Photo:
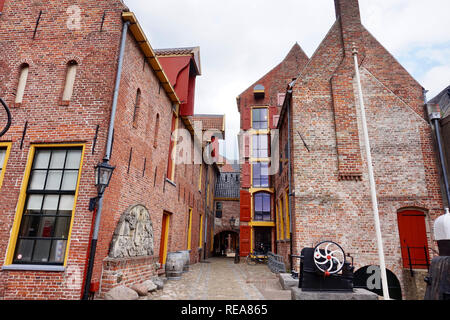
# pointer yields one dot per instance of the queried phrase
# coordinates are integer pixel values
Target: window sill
(32, 267)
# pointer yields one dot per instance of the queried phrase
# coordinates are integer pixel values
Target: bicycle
(256, 257)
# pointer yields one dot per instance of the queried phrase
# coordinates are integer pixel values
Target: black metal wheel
(9, 118)
(329, 257)
(251, 261)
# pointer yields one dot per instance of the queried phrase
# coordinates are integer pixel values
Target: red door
(245, 245)
(413, 239)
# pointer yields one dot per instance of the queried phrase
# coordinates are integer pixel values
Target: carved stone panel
(133, 236)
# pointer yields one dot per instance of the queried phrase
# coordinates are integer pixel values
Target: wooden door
(413, 239)
(164, 239)
(245, 238)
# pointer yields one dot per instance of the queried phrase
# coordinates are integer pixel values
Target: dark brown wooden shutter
(246, 206)
(245, 245)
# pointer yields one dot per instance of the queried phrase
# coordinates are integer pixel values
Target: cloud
(240, 41)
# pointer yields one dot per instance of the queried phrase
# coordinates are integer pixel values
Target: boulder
(140, 288)
(150, 285)
(121, 293)
(158, 282)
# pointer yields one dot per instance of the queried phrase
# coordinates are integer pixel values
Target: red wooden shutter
(246, 175)
(245, 245)
(246, 206)
(2, 3)
(246, 119)
(413, 235)
(273, 111)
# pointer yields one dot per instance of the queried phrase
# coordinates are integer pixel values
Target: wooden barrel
(438, 287)
(187, 260)
(174, 265)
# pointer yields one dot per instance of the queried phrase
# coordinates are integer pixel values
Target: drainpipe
(289, 177)
(435, 117)
(206, 213)
(107, 157)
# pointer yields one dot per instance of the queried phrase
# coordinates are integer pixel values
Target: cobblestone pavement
(222, 279)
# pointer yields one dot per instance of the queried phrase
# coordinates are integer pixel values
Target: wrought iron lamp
(103, 174)
(232, 223)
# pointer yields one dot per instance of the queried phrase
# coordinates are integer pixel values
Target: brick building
(259, 107)
(227, 209)
(330, 188)
(59, 67)
(321, 190)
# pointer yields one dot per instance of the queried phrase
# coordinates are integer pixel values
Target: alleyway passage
(222, 279)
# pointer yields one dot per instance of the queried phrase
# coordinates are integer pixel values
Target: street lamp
(103, 174)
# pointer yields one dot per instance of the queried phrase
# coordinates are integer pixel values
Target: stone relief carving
(133, 236)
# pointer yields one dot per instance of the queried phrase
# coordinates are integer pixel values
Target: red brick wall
(404, 163)
(50, 122)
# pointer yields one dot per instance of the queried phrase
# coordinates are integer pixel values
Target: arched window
(137, 104)
(262, 206)
(22, 82)
(70, 80)
(155, 141)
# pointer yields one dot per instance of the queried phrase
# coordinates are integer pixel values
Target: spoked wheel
(250, 260)
(329, 257)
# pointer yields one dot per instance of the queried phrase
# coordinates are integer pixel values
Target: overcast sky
(241, 40)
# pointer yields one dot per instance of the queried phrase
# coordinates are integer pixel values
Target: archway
(225, 243)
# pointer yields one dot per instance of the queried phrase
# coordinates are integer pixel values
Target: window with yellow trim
(200, 241)
(189, 229)
(286, 211)
(3, 160)
(49, 203)
(260, 118)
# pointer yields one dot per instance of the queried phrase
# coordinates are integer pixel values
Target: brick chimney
(347, 11)
(347, 136)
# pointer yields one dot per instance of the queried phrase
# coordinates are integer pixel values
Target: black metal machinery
(9, 118)
(325, 268)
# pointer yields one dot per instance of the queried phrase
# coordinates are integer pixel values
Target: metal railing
(276, 263)
(413, 261)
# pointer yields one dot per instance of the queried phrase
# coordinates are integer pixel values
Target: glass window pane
(2, 158)
(34, 203)
(266, 203)
(66, 205)
(58, 251)
(54, 180)
(37, 180)
(30, 226)
(24, 250)
(41, 159)
(73, 159)
(62, 227)
(70, 180)
(41, 250)
(50, 204)
(46, 227)
(58, 159)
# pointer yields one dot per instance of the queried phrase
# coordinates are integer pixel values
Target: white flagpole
(373, 190)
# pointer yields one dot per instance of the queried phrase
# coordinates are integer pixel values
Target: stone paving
(222, 279)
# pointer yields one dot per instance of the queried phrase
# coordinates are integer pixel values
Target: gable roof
(443, 100)
(187, 51)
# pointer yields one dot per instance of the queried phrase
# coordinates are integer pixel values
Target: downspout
(206, 213)
(107, 157)
(289, 97)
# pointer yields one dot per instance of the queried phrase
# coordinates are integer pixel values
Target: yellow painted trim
(277, 220)
(23, 195)
(262, 224)
(5, 162)
(200, 178)
(189, 230)
(147, 49)
(286, 207)
(200, 244)
(166, 237)
(281, 219)
(256, 190)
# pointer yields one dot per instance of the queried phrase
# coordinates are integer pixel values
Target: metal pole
(373, 190)
(94, 239)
